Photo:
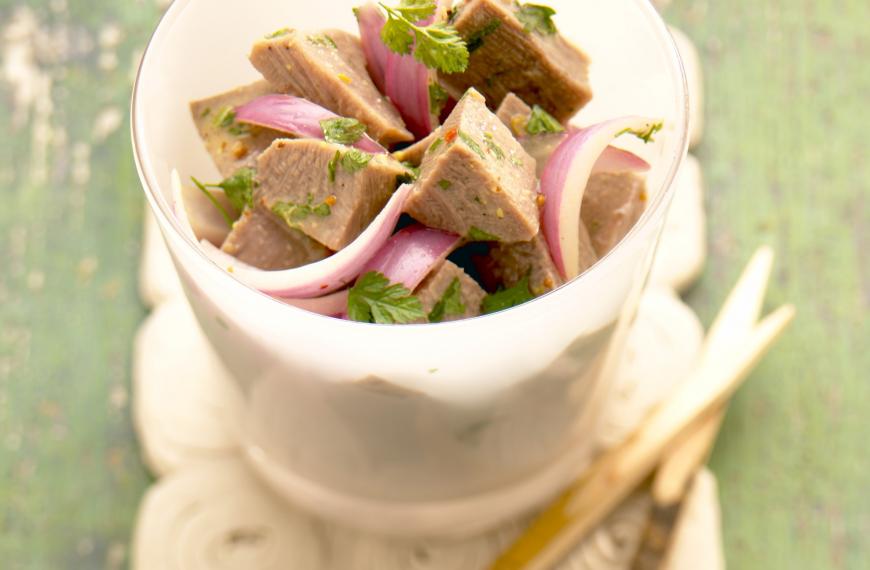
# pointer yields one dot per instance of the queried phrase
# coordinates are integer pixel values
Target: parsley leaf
(435, 145)
(226, 119)
(342, 130)
(646, 135)
(322, 40)
(450, 303)
(278, 33)
(494, 149)
(508, 298)
(537, 18)
(477, 234)
(475, 40)
(374, 300)
(437, 46)
(214, 201)
(541, 122)
(239, 188)
(332, 167)
(293, 214)
(437, 98)
(413, 173)
(355, 160)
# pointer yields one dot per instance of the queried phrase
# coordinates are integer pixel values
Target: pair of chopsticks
(676, 439)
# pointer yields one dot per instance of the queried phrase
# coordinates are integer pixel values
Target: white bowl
(440, 429)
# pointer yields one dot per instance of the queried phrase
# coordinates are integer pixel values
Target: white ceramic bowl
(440, 429)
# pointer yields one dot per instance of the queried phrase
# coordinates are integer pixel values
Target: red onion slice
(296, 116)
(323, 277)
(411, 254)
(371, 21)
(615, 159)
(564, 182)
(400, 77)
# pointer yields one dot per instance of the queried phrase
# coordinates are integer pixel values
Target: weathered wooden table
(786, 163)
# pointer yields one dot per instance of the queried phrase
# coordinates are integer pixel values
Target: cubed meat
(330, 192)
(449, 294)
(476, 180)
(514, 113)
(329, 68)
(516, 48)
(256, 239)
(612, 204)
(230, 144)
(414, 154)
(510, 263)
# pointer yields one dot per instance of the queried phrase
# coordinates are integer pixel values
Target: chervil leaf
(646, 135)
(342, 130)
(541, 122)
(537, 18)
(239, 188)
(508, 298)
(450, 303)
(437, 46)
(355, 160)
(374, 300)
(214, 201)
(477, 234)
(416, 10)
(293, 214)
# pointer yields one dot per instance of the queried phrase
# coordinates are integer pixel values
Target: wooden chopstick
(618, 472)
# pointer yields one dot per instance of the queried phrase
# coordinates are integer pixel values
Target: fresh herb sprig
(294, 214)
(239, 190)
(508, 298)
(342, 130)
(645, 134)
(450, 304)
(437, 46)
(374, 300)
(537, 18)
(541, 122)
(351, 161)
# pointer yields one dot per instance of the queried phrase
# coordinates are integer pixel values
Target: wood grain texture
(785, 159)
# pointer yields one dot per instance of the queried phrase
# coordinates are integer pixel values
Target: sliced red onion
(400, 77)
(371, 21)
(564, 182)
(410, 255)
(296, 116)
(323, 277)
(334, 305)
(615, 159)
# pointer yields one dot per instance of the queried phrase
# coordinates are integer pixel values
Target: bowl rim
(162, 209)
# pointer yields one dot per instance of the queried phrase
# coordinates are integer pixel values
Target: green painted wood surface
(785, 157)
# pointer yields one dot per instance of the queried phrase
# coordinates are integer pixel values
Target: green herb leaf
(225, 118)
(354, 160)
(374, 300)
(342, 130)
(413, 173)
(437, 46)
(537, 18)
(646, 135)
(293, 214)
(541, 122)
(445, 184)
(322, 40)
(332, 167)
(475, 40)
(472, 144)
(450, 303)
(214, 201)
(278, 33)
(508, 298)
(239, 188)
(477, 234)
(438, 97)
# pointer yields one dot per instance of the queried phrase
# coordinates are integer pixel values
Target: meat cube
(514, 113)
(476, 180)
(439, 286)
(328, 191)
(231, 145)
(414, 154)
(329, 68)
(612, 204)
(509, 53)
(257, 240)
(510, 263)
